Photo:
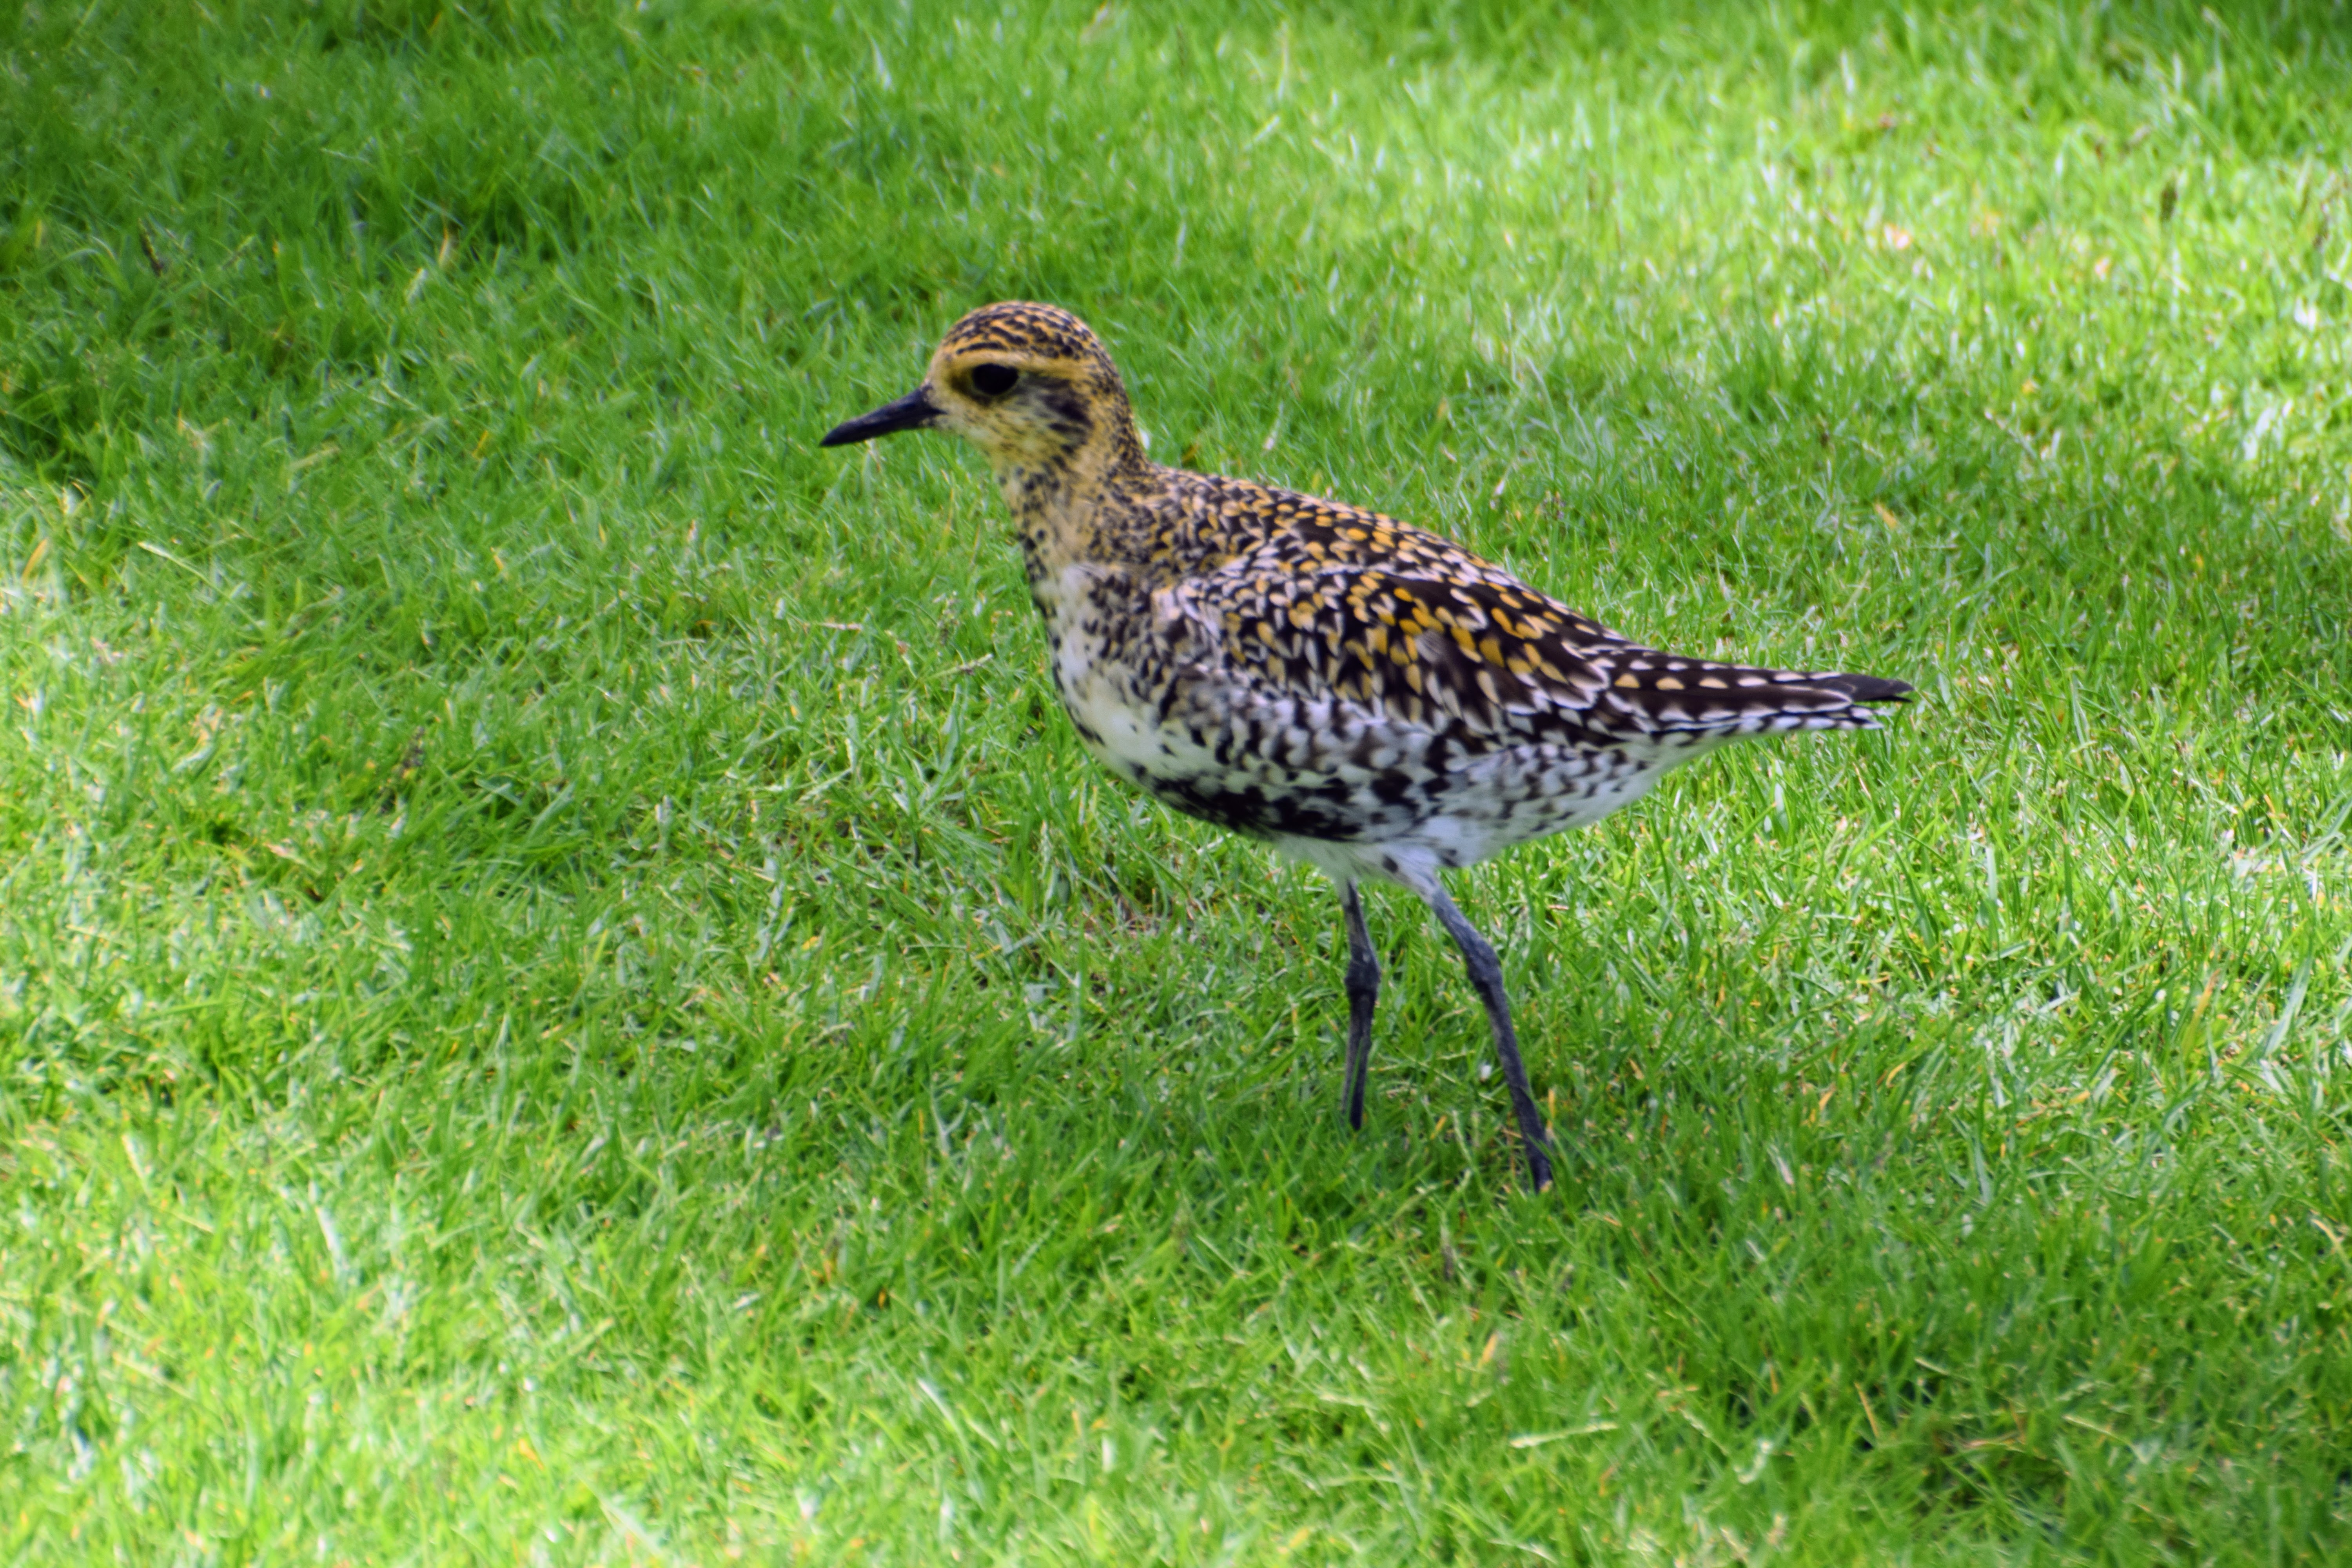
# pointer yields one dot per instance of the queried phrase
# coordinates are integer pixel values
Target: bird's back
(1329, 601)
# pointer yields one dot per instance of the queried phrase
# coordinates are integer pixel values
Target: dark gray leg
(1486, 974)
(1364, 995)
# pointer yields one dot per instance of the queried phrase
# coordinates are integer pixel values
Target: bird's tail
(1670, 695)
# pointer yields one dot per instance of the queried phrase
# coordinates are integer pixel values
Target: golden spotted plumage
(1362, 694)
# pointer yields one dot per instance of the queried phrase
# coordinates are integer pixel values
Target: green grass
(566, 995)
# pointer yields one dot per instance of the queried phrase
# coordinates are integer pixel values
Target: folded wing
(1490, 662)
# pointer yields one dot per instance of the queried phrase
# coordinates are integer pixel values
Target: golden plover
(1367, 697)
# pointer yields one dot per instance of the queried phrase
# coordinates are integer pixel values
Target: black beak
(916, 411)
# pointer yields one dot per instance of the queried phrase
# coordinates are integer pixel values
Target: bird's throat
(1060, 516)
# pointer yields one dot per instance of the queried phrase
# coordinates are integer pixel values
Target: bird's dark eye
(994, 380)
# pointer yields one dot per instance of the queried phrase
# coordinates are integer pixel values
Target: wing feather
(1493, 662)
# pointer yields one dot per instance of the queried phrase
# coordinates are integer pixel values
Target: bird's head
(1028, 384)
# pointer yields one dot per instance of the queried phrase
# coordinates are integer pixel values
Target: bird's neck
(1076, 507)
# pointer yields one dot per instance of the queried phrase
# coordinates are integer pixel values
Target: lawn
(567, 994)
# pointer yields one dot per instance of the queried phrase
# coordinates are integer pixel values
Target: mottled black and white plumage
(1359, 693)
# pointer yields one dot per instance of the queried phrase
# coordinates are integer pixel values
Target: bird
(1360, 694)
